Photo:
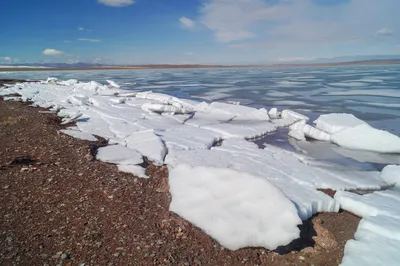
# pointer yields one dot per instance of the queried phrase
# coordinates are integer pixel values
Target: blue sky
(196, 31)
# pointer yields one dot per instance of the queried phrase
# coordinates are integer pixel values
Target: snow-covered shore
(183, 134)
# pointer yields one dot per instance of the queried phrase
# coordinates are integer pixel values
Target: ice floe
(332, 123)
(133, 169)
(79, 134)
(118, 154)
(377, 240)
(348, 131)
(222, 202)
(207, 149)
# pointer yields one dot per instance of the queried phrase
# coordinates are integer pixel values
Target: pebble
(57, 255)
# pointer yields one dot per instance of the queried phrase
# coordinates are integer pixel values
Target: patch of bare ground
(60, 206)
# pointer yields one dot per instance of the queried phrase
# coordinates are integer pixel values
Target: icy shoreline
(183, 133)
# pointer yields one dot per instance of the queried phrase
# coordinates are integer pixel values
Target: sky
(196, 31)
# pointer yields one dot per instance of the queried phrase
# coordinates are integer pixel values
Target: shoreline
(115, 217)
(161, 66)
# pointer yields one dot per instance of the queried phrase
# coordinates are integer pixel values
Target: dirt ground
(59, 206)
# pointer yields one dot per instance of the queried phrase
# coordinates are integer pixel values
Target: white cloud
(295, 21)
(81, 28)
(6, 59)
(52, 52)
(89, 40)
(117, 3)
(384, 32)
(187, 23)
(188, 53)
(230, 20)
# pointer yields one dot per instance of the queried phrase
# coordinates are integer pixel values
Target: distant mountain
(341, 59)
(392, 61)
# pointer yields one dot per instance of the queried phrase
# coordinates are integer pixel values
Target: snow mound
(118, 154)
(237, 209)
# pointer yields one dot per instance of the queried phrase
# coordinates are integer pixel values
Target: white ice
(237, 209)
(365, 137)
(371, 249)
(332, 123)
(209, 136)
(148, 144)
(391, 175)
(350, 132)
(136, 170)
(377, 240)
(118, 154)
(79, 134)
(302, 128)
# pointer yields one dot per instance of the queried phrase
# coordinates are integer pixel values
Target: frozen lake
(372, 93)
(248, 174)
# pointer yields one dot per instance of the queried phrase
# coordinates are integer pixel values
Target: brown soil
(60, 206)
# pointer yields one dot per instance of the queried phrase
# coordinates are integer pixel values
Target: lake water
(372, 93)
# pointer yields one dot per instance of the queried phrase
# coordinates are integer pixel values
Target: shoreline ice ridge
(182, 134)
